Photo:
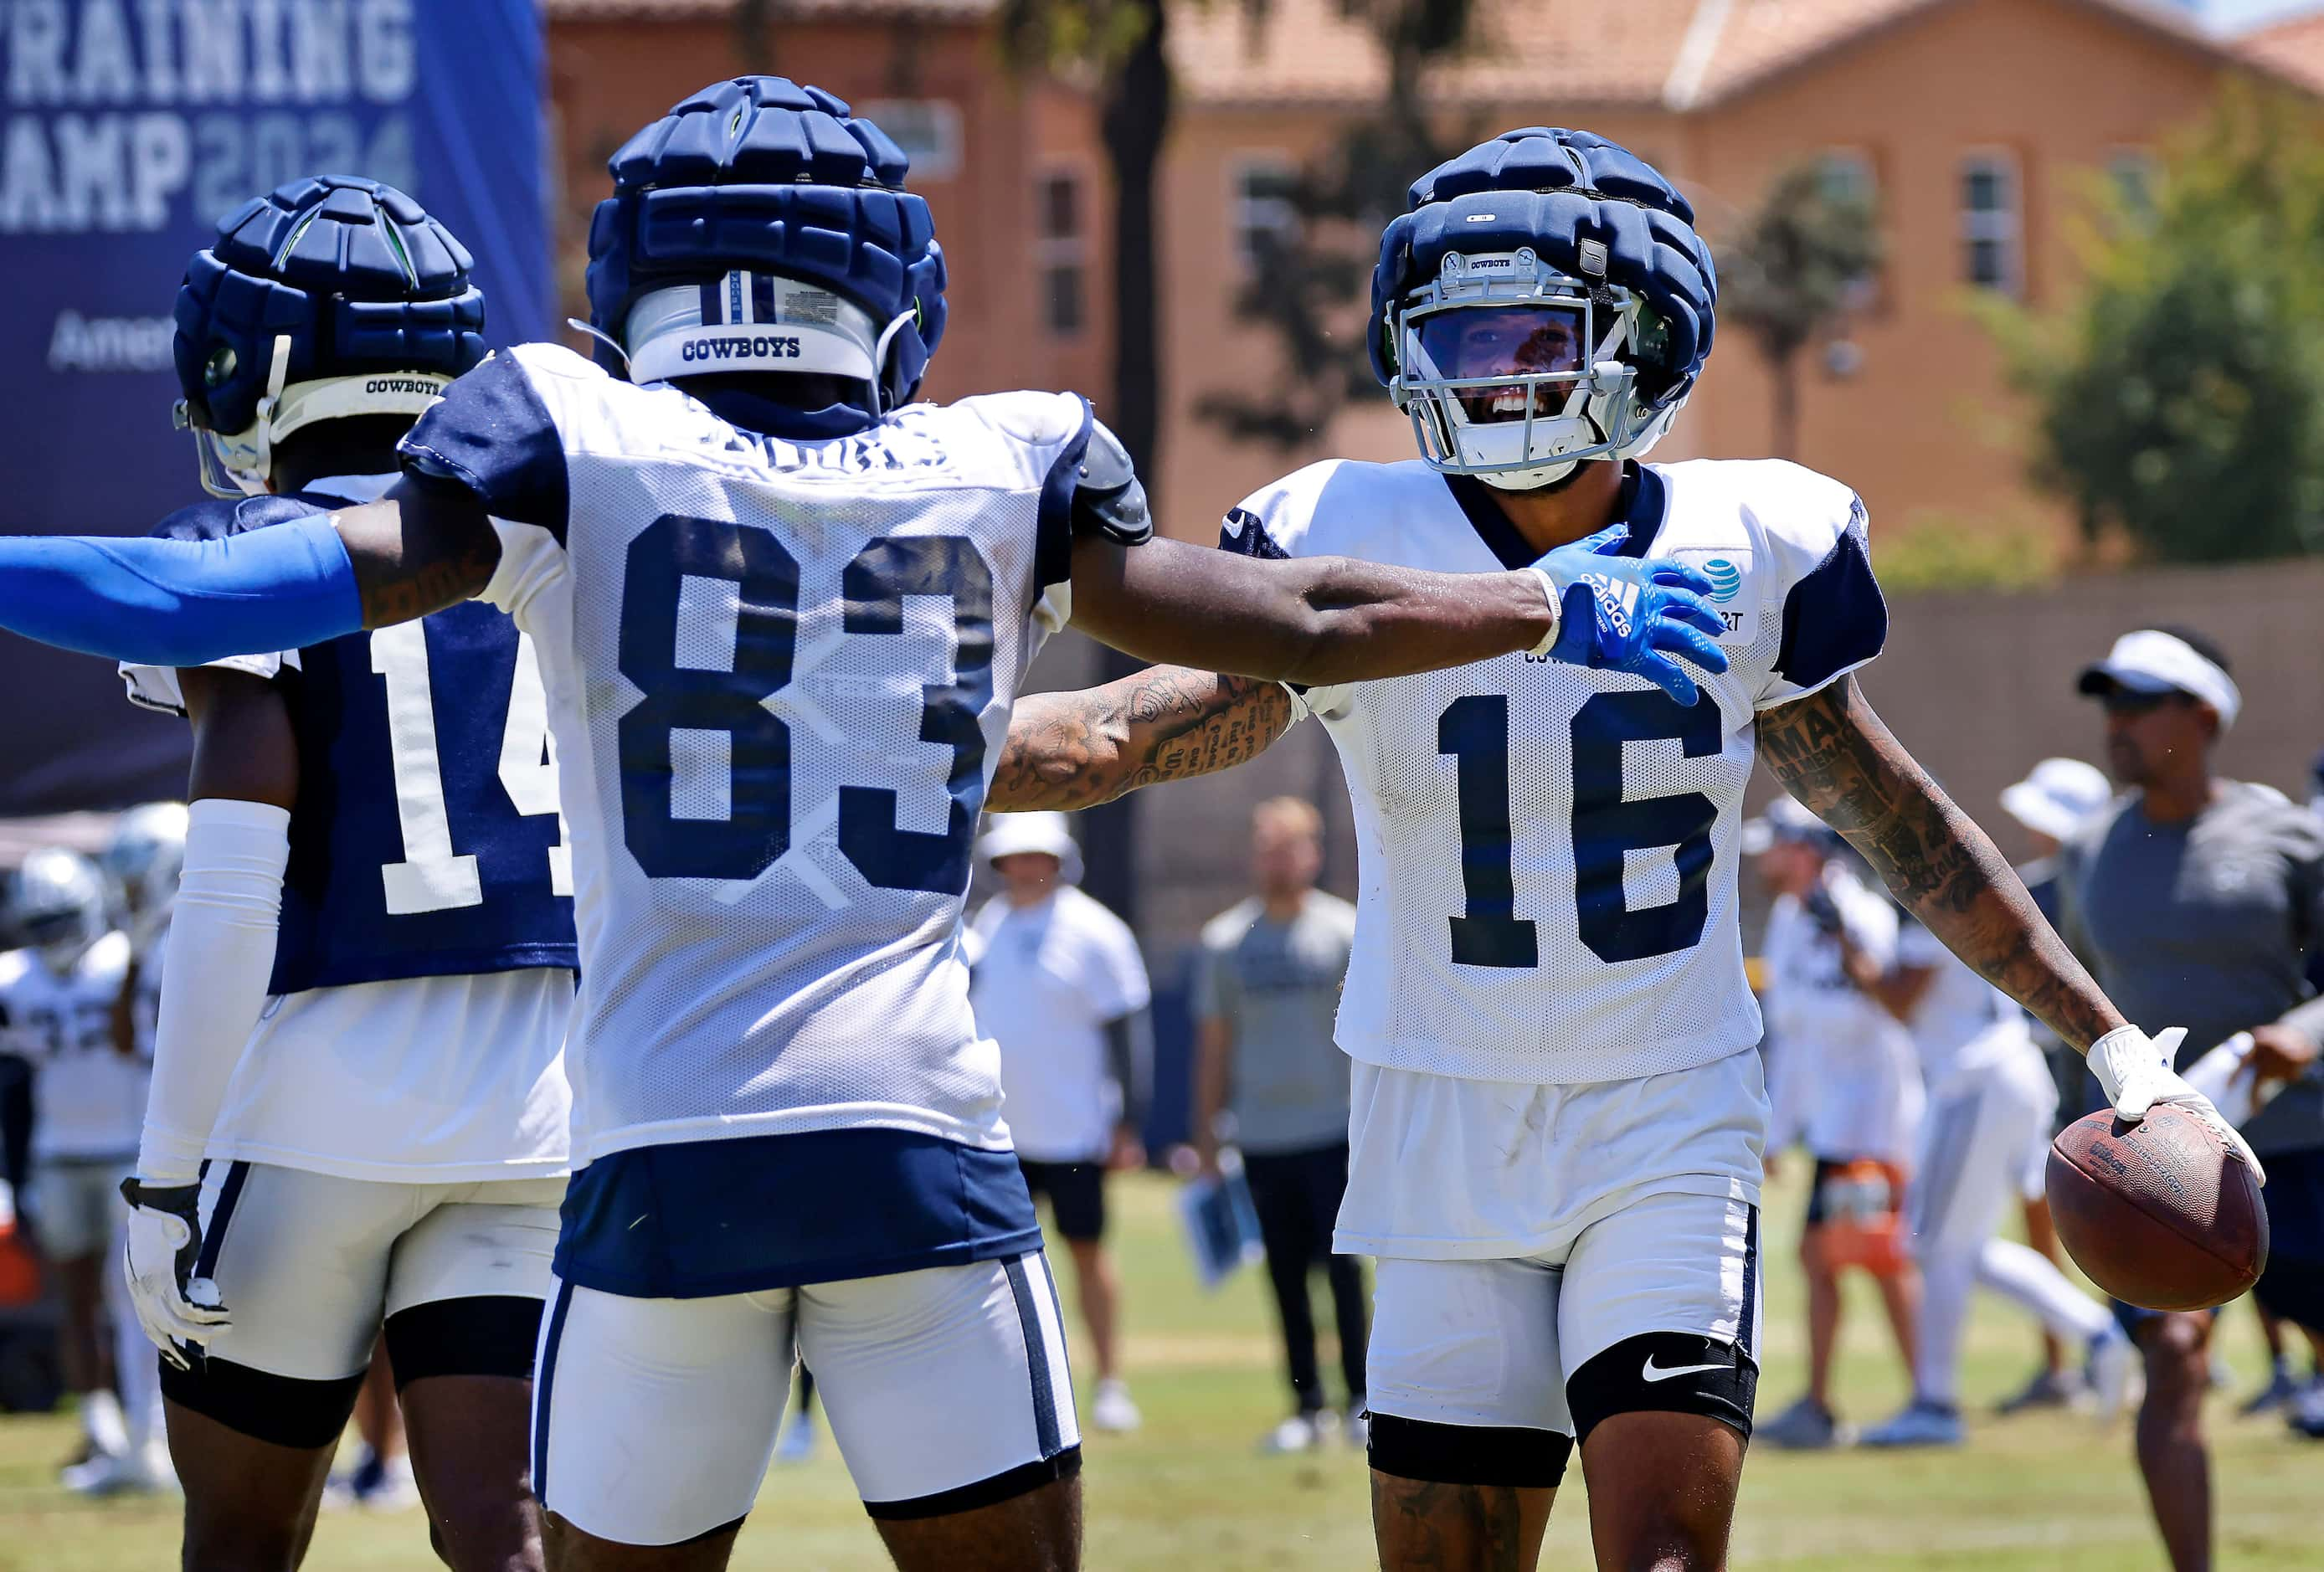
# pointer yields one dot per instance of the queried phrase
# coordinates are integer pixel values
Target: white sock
(1947, 1277)
(100, 1418)
(2026, 1276)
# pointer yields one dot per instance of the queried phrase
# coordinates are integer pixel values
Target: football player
(783, 612)
(359, 1111)
(140, 864)
(1547, 1002)
(57, 1000)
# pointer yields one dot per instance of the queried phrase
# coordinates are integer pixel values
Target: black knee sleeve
(1666, 1373)
(486, 1334)
(1442, 1454)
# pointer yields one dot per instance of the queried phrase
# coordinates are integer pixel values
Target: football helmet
(1545, 301)
(143, 862)
(56, 907)
(327, 298)
(760, 226)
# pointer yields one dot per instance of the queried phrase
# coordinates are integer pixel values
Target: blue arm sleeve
(181, 602)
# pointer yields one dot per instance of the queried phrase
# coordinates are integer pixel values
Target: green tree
(2180, 396)
(1310, 284)
(1791, 276)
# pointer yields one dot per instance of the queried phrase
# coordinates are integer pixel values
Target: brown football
(2159, 1213)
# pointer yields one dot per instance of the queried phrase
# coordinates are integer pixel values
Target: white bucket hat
(1012, 833)
(2057, 796)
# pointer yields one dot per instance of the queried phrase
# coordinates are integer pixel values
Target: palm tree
(1794, 274)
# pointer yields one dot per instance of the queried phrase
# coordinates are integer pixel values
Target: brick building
(1980, 127)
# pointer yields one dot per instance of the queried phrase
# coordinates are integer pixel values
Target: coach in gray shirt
(2198, 898)
(1266, 991)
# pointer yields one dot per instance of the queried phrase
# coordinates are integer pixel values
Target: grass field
(2052, 1493)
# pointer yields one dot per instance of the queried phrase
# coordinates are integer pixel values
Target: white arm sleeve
(214, 979)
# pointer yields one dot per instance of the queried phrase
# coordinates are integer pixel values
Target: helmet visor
(1499, 349)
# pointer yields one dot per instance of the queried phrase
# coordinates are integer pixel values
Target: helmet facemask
(1515, 372)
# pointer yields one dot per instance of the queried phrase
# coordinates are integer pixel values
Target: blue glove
(1631, 614)
(181, 603)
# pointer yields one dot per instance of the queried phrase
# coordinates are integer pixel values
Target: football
(2158, 1213)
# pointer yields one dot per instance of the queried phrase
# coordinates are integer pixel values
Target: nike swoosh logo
(1653, 1372)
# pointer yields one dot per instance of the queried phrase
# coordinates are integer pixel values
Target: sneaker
(1922, 1424)
(2305, 1413)
(2281, 1389)
(144, 1472)
(798, 1445)
(1299, 1433)
(1358, 1427)
(375, 1485)
(2047, 1389)
(1112, 1409)
(2112, 1364)
(1807, 1426)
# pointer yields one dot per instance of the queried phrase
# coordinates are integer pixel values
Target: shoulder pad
(220, 516)
(1109, 498)
(1036, 418)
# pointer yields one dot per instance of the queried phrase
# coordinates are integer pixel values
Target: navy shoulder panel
(494, 437)
(221, 516)
(1244, 533)
(1834, 618)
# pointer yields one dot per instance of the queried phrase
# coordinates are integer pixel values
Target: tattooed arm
(1832, 753)
(423, 546)
(1077, 749)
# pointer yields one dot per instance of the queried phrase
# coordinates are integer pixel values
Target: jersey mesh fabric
(776, 949)
(1583, 827)
(88, 1097)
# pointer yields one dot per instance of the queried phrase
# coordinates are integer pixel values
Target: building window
(927, 128)
(2131, 171)
(1060, 251)
(1265, 217)
(1845, 173)
(1991, 237)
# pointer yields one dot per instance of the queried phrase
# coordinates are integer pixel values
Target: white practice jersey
(1046, 980)
(1548, 852)
(778, 675)
(88, 1097)
(1847, 1079)
(1963, 1024)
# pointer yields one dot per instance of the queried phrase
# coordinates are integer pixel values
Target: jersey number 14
(1608, 828)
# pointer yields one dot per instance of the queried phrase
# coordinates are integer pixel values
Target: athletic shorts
(76, 1204)
(947, 1389)
(1077, 1192)
(311, 1265)
(1655, 1306)
(2293, 1285)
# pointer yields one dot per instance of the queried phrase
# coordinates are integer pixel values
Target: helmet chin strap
(880, 360)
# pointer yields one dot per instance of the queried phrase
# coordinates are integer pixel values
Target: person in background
(1991, 1103)
(1059, 984)
(57, 997)
(2197, 899)
(1267, 988)
(2057, 796)
(1847, 1087)
(140, 864)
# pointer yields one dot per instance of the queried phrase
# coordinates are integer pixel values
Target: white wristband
(1551, 592)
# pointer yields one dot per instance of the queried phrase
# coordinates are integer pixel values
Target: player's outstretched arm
(1832, 752)
(423, 546)
(1076, 749)
(185, 603)
(1316, 621)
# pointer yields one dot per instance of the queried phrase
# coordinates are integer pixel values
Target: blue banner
(131, 127)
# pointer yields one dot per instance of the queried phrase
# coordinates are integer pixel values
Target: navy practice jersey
(427, 840)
